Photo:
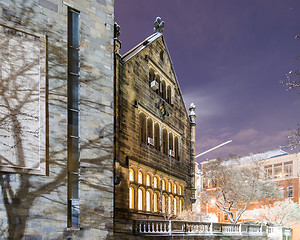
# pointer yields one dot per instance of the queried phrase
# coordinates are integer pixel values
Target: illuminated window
(155, 182)
(131, 198)
(148, 201)
(175, 189)
(175, 206)
(131, 175)
(163, 204)
(288, 169)
(140, 199)
(155, 202)
(180, 190)
(180, 206)
(140, 177)
(163, 185)
(278, 170)
(148, 180)
(169, 204)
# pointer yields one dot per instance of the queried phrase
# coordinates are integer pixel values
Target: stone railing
(176, 228)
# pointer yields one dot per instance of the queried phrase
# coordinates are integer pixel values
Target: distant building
(279, 166)
(155, 135)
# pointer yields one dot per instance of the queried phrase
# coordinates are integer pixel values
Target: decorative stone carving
(159, 25)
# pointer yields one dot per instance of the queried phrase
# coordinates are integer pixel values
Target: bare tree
(284, 213)
(18, 95)
(233, 187)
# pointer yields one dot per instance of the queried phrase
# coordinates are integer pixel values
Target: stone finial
(192, 114)
(116, 30)
(159, 25)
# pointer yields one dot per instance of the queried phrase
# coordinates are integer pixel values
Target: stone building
(56, 119)
(154, 148)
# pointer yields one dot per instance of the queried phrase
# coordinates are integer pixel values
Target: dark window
(156, 137)
(165, 141)
(176, 149)
(289, 192)
(142, 128)
(73, 119)
(161, 55)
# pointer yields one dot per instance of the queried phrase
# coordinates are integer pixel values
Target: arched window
(158, 91)
(169, 94)
(155, 202)
(161, 55)
(176, 150)
(170, 204)
(171, 141)
(155, 181)
(140, 199)
(140, 177)
(163, 203)
(165, 141)
(163, 185)
(149, 128)
(148, 201)
(131, 198)
(142, 128)
(131, 175)
(156, 137)
(151, 75)
(175, 188)
(169, 186)
(148, 180)
(175, 206)
(180, 190)
(180, 205)
(163, 89)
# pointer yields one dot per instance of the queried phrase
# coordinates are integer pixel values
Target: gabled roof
(140, 46)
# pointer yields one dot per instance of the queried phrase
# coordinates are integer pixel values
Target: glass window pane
(73, 60)
(73, 92)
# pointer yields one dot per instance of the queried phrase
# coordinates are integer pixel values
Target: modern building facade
(154, 135)
(56, 119)
(279, 166)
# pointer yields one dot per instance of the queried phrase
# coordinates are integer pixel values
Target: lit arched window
(169, 186)
(149, 128)
(175, 188)
(165, 141)
(148, 180)
(155, 181)
(140, 177)
(163, 204)
(169, 94)
(180, 190)
(156, 137)
(163, 185)
(155, 202)
(180, 205)
(148, 201)
(131, 198)
(140, 199)
(142, 128)
(163, 89)
(170, 141)
(131, 175)
(170, 204)
(175, 206)
(176, 150)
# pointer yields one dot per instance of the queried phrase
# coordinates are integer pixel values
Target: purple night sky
(229, 56)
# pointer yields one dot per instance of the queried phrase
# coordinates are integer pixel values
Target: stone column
(192, 117)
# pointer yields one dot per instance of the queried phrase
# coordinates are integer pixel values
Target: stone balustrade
(185, 228)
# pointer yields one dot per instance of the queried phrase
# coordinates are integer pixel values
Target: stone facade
(154, 159)
(34, 202)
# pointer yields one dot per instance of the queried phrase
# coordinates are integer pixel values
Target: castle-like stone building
(154, 148)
